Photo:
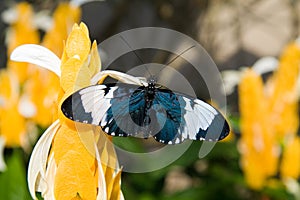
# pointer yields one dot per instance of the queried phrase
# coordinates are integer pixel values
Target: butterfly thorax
(150, 92)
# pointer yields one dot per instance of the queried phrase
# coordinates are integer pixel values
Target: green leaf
(13, 181)
(129, 144)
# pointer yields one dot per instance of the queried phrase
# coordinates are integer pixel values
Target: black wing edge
(73, 109)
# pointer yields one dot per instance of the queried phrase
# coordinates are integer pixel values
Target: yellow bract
(78, 42)
(269, 119)
(74, 74)
(12, 126)
(95, 62)
(74, 178)
(9, 113)
(9, 91)
(283, 96)
(115, 192)
(76, 70)
(22, 32)
(66, 139)
(291, 159)
(42, 87)
(80, 61)
(257, 142)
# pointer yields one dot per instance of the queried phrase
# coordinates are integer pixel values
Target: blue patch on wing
(125, 115)
(169, 116)
(129, 115)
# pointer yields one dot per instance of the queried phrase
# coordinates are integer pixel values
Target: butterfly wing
(123, 110)
(110, 106)
(126, 115)
(187, 118)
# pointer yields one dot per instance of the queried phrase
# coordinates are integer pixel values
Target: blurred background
(261, 157)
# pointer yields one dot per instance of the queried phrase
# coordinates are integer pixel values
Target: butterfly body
(148, 110)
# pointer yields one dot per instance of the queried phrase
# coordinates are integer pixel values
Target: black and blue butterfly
(142, 108)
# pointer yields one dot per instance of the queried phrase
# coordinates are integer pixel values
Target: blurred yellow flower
(270, 121)
(22, 31)
(41, 89)
(74, 146)
(29, 94)
(257, 145)
(290, 167)
(282, 94)
(13, 135)
(64, 16)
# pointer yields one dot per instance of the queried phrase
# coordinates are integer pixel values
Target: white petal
(48, 189)
(297, 88)
(9, 16)
(37, 55)
(122, 77)
(2, 101)
(298, 41)
(81, 2)
(39, 157)
(101, 179)
(122, 196)
(231, 78)
(265, 64)
(43, 20)
(292, 186)
(2, 162)
(26, 107)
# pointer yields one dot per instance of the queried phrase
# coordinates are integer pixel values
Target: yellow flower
(257, 145)
(22, 31)
(290, 167)
(74, 146)
(38, 97)
(41, 89)
(269, 121)
(283, 102)
(9, 111)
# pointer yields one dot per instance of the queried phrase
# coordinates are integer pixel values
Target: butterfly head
(152, 82)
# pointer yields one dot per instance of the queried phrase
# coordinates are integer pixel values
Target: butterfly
(143, 108)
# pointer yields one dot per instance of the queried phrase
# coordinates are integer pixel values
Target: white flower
(2, 162)
(231, 78)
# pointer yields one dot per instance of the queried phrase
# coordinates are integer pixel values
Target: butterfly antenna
(180, 54)
(186, 50)
(140, 59)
